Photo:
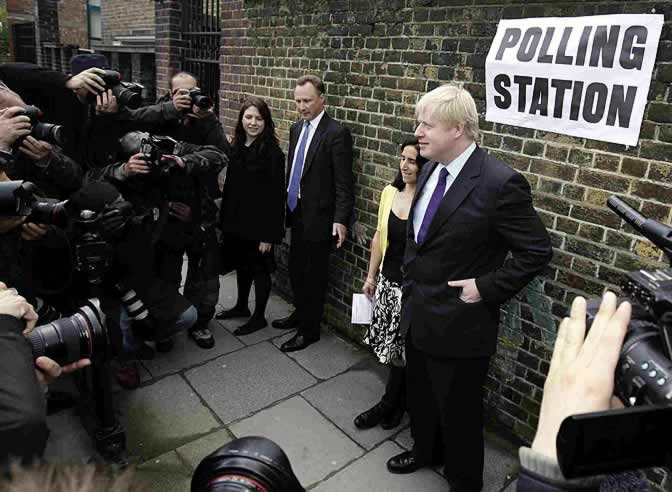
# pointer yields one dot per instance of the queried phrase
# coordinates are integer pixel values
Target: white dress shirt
(312, 128)
(454, 167)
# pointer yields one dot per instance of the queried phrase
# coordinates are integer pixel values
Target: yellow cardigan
(386, 199)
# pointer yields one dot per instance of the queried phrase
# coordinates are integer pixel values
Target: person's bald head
(183, 81)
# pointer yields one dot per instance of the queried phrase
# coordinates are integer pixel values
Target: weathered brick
(634, 167)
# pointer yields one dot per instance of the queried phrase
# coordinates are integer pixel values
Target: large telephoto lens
(248, 464)
(67, 340)
(126, 97)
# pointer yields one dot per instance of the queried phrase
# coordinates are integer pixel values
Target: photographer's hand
(200, 113)
(181, 211)
(47, 370)
(34, 149)
(9, 223)
(88, 81)
(176, 159)
(581, 375)
(33, 232)
(182, 100)
(13, 304)
(106, 103)
(12, 127)
(137, 164)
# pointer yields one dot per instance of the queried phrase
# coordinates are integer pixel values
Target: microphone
(659, 234)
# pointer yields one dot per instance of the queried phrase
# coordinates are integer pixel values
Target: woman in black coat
(253, 205)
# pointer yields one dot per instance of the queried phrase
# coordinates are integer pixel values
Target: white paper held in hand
(362, 309)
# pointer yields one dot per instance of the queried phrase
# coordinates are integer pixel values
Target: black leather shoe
(403, 463)
(291, 321)
(392, 419)
(298, 342)
(254, 324)
(234, 312)
(372, 417)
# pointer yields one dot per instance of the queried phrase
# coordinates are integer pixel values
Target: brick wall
(127, 18)
(20, 7)
(377, 57)
(73, 23)
(168, 42)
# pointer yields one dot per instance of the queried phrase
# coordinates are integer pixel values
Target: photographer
(23, 430)
(580, 380)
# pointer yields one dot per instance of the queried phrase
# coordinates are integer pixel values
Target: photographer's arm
(148, 118)
(27, 76)
(201, 159)
(63, 171)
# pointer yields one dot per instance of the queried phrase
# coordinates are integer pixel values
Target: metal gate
(201, 30)
(24, 42)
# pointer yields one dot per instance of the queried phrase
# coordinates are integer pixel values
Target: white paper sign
(581, 76)
(362, 309)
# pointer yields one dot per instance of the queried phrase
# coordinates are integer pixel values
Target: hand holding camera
(13, 126)
(182, 100)
(12, 304)
(34, 149)
(106, 103)
(137, 164)
(181, 211)
(87, 82)
(33, 232)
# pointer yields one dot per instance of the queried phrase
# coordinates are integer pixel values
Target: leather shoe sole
(403, 463)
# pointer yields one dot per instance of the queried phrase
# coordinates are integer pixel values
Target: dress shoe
(372, 417)
(298, 342)
(403, 463)
(291, 321)
(202, 336)
(253, 324)
(234, 312)
(392, 419)
(165, 345)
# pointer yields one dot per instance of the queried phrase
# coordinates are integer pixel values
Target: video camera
(637, 436)
(248, 464)
(200, 99)
(128, 94)
(154, 147)
(41, 131)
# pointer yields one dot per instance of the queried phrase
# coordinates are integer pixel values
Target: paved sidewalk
(193, 401)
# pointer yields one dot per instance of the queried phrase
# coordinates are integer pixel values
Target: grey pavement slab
(186, 353)
(325, 359)
(404, 439)
(68, 441)
(315, 446)
(267, 333)
(145, 376)
(370, 473)
(193, 452)
(248, 380)
(165, 473)
(163, 416)
(342, 398)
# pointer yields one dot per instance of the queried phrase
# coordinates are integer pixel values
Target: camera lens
(126, 97)
(49, 213)
(49, 133)
(248, 464)
(70, 339)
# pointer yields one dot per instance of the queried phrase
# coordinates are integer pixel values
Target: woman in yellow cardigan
(383, 283)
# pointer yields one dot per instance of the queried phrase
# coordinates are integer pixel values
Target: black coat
(485, 215)
(327, 194)
(253, 201)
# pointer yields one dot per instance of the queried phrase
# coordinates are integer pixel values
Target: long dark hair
(268, 136)
(398, 182)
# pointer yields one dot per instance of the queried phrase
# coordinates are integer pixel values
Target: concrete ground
(193, 401)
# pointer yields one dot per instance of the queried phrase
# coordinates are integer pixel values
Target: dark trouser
(395, 390)
(445, 398)
(202, 284)
(308, 274)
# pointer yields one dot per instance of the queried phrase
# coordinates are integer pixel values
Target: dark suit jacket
(486, 214)
(327, 194)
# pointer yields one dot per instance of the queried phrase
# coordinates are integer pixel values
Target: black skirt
(244, 254)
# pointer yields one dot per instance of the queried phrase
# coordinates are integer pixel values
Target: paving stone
(342, 398)
(404, 439)
(186, 353)
(165, 473)
(145, 376)
(68, 441)
(315, 446)
(325, 359)
(163, 416)
(195, 451)
(267, 333)
(248, 380)
(370, 473)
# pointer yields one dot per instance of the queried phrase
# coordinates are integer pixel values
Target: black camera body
(154, 147)
(18, 198)
(200, 99)
(128, 94)
(41, 131)
(92, 254)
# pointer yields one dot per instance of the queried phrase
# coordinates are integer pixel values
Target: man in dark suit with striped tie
(474, 241)
(320, 199)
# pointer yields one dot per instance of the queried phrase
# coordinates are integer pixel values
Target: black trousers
(445, 398)
(395, 389)
(308, 275)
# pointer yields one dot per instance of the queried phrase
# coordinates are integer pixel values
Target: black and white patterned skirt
(383, 335)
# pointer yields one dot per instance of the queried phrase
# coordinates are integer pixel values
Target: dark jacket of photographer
(91, 139)
(23, 429)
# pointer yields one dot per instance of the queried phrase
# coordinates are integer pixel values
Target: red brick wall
(73, 23)
(127, 18)
(20, 7)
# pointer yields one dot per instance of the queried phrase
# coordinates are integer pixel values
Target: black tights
(262, 289)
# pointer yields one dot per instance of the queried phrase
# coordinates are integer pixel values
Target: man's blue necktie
(295, 179)
(433, 206)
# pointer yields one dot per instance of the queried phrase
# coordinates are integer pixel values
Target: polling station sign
(581, 76)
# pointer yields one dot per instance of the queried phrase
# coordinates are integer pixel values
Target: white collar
(316, 121)
(455, 166)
